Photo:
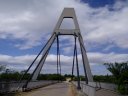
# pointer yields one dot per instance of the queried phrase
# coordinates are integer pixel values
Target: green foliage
(10, 76)
(50, 77)
(104, 78)
(120, 72)
(122, 89)
(26, 76)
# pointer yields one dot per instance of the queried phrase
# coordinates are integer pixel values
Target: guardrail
(102, 85)
(13, 86)
(38, 84)
(91, 88)
(87, 89)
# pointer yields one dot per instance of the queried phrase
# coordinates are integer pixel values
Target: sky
(26, 25)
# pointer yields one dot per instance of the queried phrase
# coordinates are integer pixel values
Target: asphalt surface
(59, 89)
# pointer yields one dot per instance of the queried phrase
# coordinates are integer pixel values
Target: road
(59, 89)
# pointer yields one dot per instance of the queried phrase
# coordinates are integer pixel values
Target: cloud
(95, 59)
(101, 58)
(33, 21)
(110, 29)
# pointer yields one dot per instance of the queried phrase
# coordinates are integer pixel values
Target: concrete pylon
(67, 13)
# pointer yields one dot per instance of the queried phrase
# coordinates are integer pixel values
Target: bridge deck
(104, 92)
(64, 89)
(59, 89)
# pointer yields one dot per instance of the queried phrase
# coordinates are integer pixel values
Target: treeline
(15, 76)
(104, 78)
(10, 76)
(51, 77)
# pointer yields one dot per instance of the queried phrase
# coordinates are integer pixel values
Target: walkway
(63, 89)
(59, 89)
(104, 92)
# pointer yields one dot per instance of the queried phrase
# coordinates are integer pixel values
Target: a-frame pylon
(67, 13)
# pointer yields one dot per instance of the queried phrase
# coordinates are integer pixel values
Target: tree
(120, 72)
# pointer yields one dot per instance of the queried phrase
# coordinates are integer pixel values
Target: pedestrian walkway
(64, 89)
(59, 89)
(104, 92)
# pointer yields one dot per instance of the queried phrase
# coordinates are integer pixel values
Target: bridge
(61, 88)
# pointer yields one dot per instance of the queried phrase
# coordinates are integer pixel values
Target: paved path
(59, 89)
(64, 89)
(104, 92)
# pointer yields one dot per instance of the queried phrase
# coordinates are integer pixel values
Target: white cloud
(107, 27)
(101, 58)
(22, 62)
(32, 21)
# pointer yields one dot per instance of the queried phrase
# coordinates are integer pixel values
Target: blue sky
(99, 3)
(25, 27)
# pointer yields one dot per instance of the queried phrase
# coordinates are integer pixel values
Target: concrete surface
(104, 92)
(59, 89)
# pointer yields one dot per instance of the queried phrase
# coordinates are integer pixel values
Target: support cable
(25, 85)
(59, 63)
(57, 56)
(38, 63)
(73, 59)
(77, 66)
(33, 62)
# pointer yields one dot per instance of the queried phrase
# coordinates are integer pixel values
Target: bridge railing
(38, 84)
(91, 88)
(8, 86)
(87, 89)
(102, 85)
(13, 86)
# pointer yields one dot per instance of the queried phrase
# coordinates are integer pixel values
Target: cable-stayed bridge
(59, 88)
